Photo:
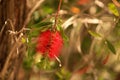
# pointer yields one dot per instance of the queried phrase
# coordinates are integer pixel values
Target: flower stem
(57, 13)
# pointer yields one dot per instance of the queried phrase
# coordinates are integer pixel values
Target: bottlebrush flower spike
(50, 43)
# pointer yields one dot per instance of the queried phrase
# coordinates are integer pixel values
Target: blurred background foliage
(92, 49)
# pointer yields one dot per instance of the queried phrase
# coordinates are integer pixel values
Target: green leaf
(94, 34)
(110, 46)
(47, 10)
(44, 64)
(59, 75)
(63, 74)
(31, 51)
(42, 27)
(27, 63)
(23, 40)
(34, 33)
(85, 45)
(113, 9)
(65, 38)
(41, 24)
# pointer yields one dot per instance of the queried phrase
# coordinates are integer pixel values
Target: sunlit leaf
(113, 9)
(63, 74)
(110, 46)
(43, 64)
(23, 40)
(94, 34)
(37, 58)
(36, 16)
(47, 10)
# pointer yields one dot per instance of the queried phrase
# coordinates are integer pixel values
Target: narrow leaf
(34, 33)
(106, 59)
(113, 9)
(94, 34)
(64, 36)
(110, 46)
(84, 70)
(42, 24)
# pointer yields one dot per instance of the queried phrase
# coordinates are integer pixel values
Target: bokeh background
(91, 33)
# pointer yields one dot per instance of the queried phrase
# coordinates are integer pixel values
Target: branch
(3, 27)
(30, 14)
(6, 65)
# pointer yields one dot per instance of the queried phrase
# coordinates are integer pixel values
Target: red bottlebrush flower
(50, 43)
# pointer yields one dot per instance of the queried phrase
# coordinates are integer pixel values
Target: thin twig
(30, 14)
(3, 28)
(56, 16)
(116, 3)
(17, 44)
(11, 26)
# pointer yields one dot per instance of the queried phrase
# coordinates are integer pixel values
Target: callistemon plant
(50, 38)
(49, 43)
